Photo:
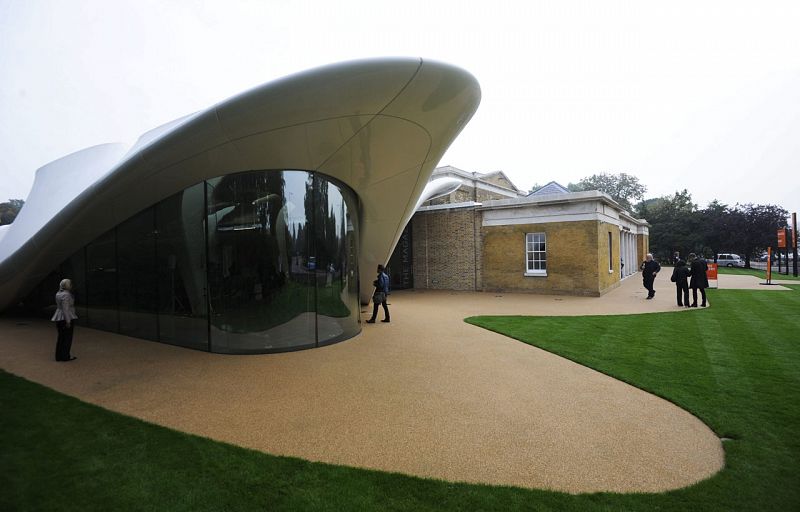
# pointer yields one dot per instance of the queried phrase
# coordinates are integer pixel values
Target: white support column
(632, 252)
(623, 252)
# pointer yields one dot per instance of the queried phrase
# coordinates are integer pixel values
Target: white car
(729, 260)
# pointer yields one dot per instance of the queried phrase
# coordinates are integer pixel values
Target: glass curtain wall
(337, 309)
(261, 261)
(281, 273)
(137, 279)
(181, 267)
(101, 283)
(75, 268)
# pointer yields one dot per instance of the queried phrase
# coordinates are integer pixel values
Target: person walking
(64, 318)
(680, 276)
(698, 267)
(379, 297)
(649, 268)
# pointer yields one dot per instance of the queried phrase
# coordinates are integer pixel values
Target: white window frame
(531, 238)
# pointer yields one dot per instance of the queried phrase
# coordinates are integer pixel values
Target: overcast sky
(697, 95)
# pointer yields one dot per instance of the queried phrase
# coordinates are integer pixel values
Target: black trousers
(648, 283)
(64, 343)
(375, 310)
(702, 294)
(683, 293)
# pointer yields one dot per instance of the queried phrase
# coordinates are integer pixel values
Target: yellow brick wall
(607, 280)
(485, 195)
(460, 195)
(642, 247)
(499, 180)
(572, 258)
(446, 249)
(465, 194)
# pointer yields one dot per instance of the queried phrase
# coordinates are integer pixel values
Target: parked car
(729, 260)
(777, 256)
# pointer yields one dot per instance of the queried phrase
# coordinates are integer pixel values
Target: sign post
(769, 265)
(784, 242)
(711, 274)
(794, 243)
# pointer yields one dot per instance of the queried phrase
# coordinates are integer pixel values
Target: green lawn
(736, 365)
(762, 274)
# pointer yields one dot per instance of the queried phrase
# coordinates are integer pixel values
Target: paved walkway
(426, 395)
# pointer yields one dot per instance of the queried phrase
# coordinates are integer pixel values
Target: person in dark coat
(698, 268)
(650, 268)
(680, 276)
(379, 297)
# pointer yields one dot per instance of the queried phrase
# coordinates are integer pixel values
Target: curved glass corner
(253, 262)
(282, 272)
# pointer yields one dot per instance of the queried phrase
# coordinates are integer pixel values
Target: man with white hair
(650, 268)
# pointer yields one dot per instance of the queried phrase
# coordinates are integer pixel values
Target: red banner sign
(782, 238)
(711, 273)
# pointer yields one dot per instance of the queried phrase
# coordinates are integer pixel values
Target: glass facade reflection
(253, 262)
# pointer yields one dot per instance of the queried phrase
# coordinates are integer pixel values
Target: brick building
(487, 235)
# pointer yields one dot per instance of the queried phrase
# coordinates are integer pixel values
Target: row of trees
(677, 224)
(9, 210)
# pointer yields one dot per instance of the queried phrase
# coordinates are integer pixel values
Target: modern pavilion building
(252, 226)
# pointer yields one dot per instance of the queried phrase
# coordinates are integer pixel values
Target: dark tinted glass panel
(337, 301)
(101, 283)
(136, 276)
(75, 269)
(261, 263)
(181, 250)
(41, 301)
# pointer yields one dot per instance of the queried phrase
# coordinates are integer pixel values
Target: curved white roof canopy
(380, 126)
(438, 188)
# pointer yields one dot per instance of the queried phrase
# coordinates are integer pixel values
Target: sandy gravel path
(426, 395)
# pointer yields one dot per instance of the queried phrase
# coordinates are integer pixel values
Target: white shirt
(65, 307)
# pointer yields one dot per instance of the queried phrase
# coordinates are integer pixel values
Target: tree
(623, 188)
(677, 225)
(534, 188)
(753, 228)
(9, 210)
(674, 224)
(716, 224)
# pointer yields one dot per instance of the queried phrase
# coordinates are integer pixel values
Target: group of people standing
(696, 270)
